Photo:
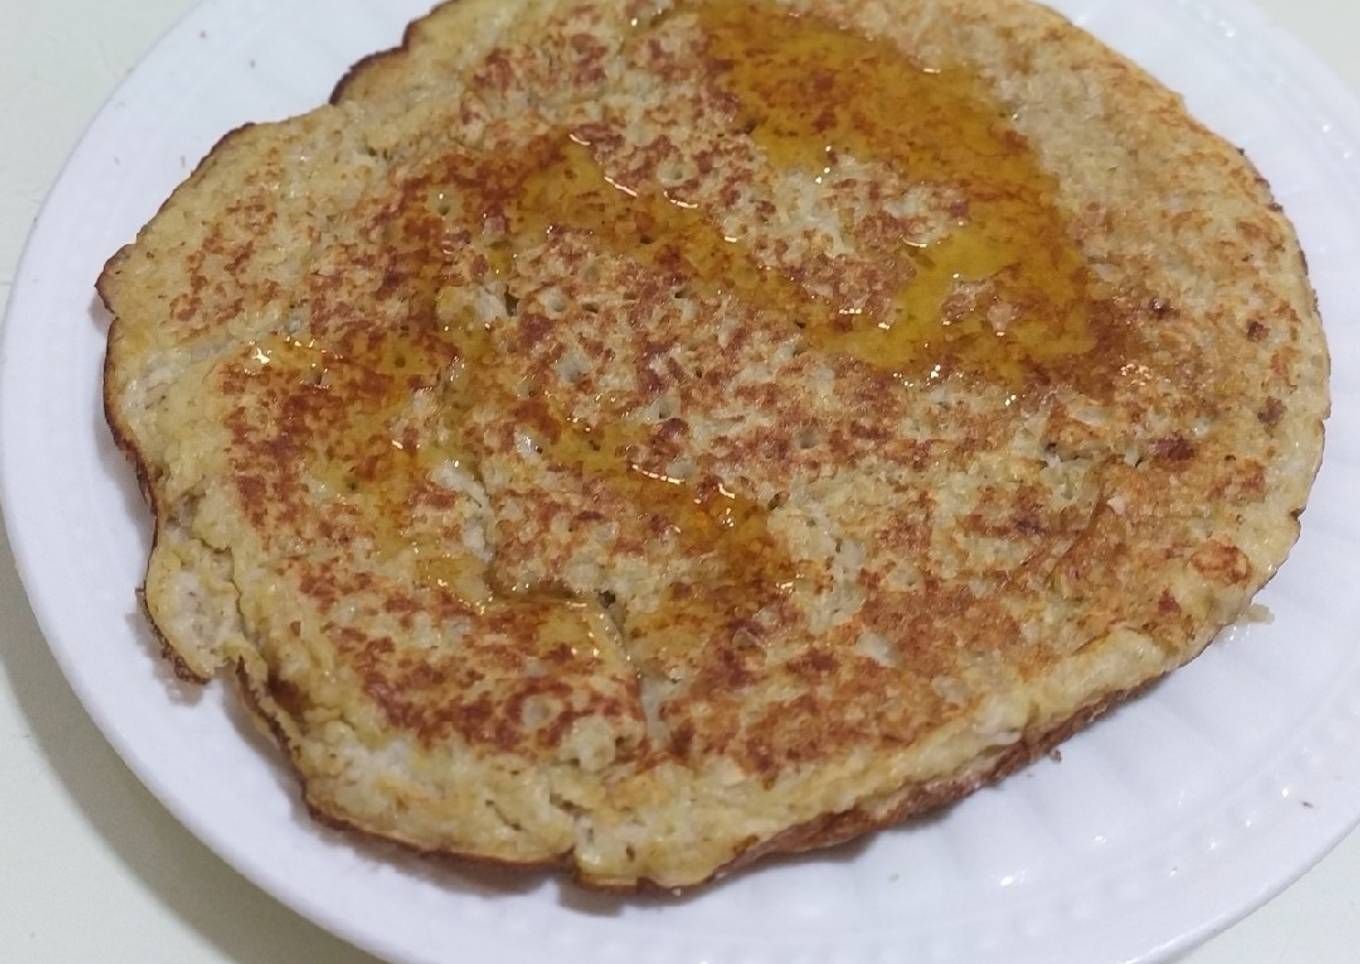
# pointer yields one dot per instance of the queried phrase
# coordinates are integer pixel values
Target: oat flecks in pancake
(642, 437)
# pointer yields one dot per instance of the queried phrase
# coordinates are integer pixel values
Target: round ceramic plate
(1165, 822)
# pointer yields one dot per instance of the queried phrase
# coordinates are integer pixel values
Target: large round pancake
(543, 524)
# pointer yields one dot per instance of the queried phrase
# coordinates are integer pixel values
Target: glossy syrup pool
(1005, 289)
(1002, 294)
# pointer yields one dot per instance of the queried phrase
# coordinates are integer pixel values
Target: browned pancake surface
(644, 436)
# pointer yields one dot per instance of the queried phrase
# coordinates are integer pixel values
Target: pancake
(638, 437)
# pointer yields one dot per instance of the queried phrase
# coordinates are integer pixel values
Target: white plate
(1179, 814)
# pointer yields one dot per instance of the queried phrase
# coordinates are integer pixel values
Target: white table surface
(92, 868)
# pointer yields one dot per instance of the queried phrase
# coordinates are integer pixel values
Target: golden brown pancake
(639, 437)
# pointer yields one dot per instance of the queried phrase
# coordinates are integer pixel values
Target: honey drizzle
(376, 472)
(569, 190)
(640, 222)
(813, 93)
